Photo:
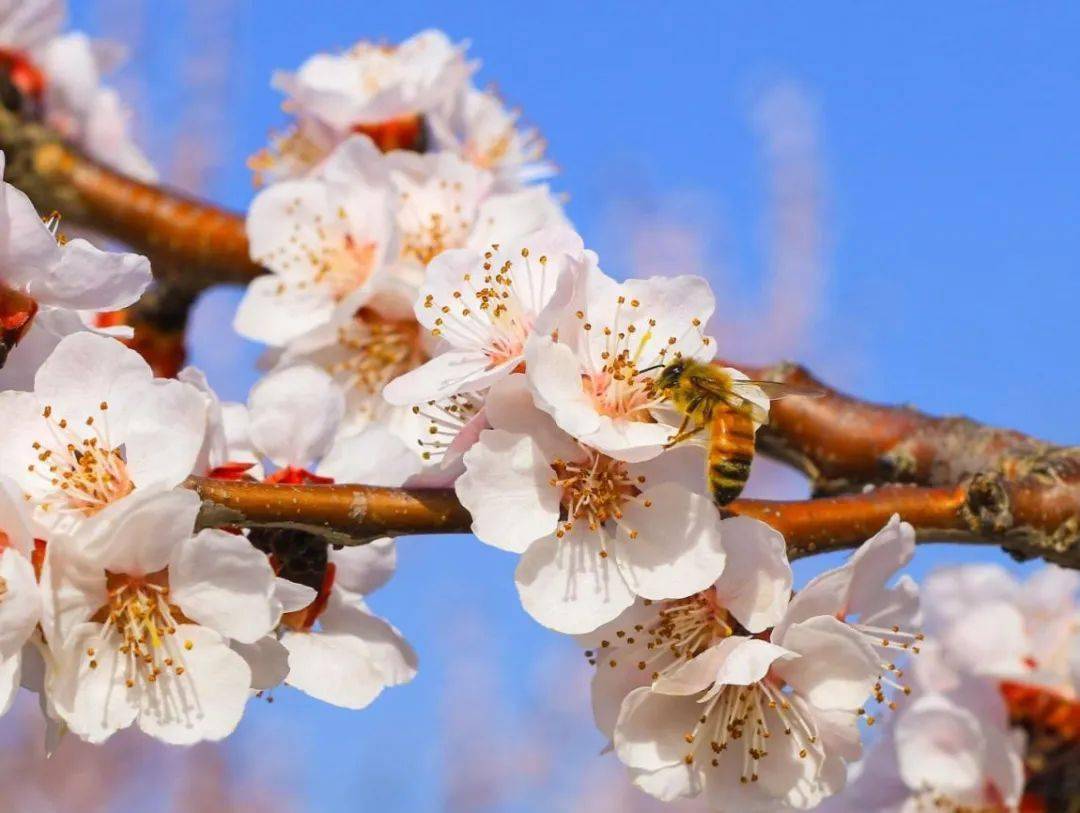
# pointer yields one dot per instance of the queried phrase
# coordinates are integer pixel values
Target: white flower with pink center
(483, 131)
(373, 83)
(945, 752)
(982, 621)
(97, 427)
(139, 617)
(728, 695)
(484, 305)
(593, 531)
(596, 376)
(325, 242)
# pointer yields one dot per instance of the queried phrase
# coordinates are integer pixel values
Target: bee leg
(682, 434)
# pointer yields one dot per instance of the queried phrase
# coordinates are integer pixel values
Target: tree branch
(842, 443)
(1029, 518)
(186, 239)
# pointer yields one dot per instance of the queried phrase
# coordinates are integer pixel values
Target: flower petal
(349, 662)
(755, 586)
(221, 581)
(207, 701)
(507, 476)
(363, 569)
(294, 414)
(566, 585)
(837, 668)
(92, 701)
(678, 549)
(267, 659)
(86, 278)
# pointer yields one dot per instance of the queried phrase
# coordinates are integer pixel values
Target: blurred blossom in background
(886, 197)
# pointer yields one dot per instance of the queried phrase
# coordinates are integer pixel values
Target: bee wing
(728, 393)
(775, 390)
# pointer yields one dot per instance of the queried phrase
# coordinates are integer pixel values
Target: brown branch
(1028, 518)
(186, 239)
(842, 443)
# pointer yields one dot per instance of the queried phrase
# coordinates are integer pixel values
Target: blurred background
(888, 194)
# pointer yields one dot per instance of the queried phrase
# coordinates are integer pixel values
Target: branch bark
(187, 240)
(971, 512)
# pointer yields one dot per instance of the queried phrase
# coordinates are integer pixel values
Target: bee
(731, 408)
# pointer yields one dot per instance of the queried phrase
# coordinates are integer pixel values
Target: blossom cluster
(433, 319)
(56, 77)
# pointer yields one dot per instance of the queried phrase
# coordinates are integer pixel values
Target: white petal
(10, 670)
(610, 685)
(566, 585)
(678, 550)
(749, 660)
(939, 745)
(20, 604)
(86, 369)
(15, 518)
(649, 733)
(272, 317)
(448, 373)
(554, 374)
(756, 583)
(351, 660)
(73, 588)
(837, 668)
(292, 596)
(363, 569)
(294, 415)
(509, 406)
(87, 278)
(877, 559)
(373, 456)
(165, 433)
(507, 476)
(267, 659)
(221, 581)
(138, 534)
(27, 249)
(207, 701)
(93, 701)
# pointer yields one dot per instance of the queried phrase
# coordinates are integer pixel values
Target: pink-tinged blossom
(97, 427)
(596, 376)
(593, 531)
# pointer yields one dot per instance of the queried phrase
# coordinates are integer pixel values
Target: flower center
(332, 258)
(84, 473)
(139, 610)
(495, 313)
(445, 420)
(739, 720)
(594, 490)
(433, 218)
(372, 352)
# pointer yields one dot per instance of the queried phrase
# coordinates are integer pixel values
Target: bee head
(670, 375)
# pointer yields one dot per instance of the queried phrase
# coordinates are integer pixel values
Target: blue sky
(949, 173)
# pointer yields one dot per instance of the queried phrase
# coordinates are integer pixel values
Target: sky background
(890, 193)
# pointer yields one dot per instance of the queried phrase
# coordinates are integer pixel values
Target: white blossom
(591, 379)
(97, 427)
(593, 531)
(734, 693)
(139, 618)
